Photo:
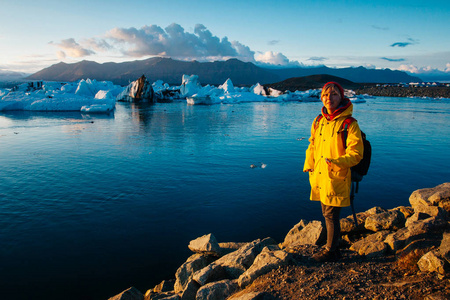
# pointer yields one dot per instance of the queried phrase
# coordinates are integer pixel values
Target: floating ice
(84, 96)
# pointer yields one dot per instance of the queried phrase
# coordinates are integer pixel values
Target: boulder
(232, 265)
(431, 262)
(164, 286)
(415, 231)
(130, 294)
(390, 220)
(150, 295)
(229, 247)
(444, 248)
(372, 245)
(312, 233)
(407, 211)
(432, 211)
(214, 272)
(292, 235)
(416, 217)
(265, 262)
(437, 196)
(186, 271)
(348, 224)
(206, 244)
(190, 292)
(219, 290)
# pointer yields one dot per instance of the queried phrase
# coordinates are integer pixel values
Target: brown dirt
(353, 277)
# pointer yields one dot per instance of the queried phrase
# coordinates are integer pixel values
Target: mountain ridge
(215, 73)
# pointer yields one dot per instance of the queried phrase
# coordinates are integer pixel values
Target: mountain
(11, 75)
(311, 82)
(171, 71)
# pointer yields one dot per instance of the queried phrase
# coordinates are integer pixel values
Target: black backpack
(361, 169)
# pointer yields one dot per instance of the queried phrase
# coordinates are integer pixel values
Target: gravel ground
(353, 277)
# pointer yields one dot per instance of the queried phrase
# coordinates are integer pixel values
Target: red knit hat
(341, 90)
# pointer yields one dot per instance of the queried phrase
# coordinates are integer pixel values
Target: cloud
(424, 70)
(273, 42)
(404, 44)
(428, 73)
(276, 59)
(317, 58)
(380, 28)
(393, 59)
(71, 48)
(173, 41)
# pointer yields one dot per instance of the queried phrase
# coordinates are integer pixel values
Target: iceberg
(138, 91)
(84, 96)
(91, 96)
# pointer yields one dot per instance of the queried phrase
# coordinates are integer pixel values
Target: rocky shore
(410, 91)
(398, 253)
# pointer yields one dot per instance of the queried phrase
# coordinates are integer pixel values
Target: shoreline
(392, 253)
(396, 91)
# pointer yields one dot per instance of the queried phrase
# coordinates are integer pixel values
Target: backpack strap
(317, 120)
(344, 132)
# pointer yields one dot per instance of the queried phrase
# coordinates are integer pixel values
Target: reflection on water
(99, 203)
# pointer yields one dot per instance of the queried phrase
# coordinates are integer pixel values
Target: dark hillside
(311, 82)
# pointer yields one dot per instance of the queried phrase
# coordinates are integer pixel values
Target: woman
(328, 162)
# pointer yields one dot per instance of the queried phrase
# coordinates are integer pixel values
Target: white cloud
(447, 68)
(423, 70)
(71, 48)
(275, 58)
(175, 42)
(172, 41)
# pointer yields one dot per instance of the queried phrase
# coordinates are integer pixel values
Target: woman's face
(331, 99)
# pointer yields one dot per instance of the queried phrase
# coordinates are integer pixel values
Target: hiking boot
(327, 255)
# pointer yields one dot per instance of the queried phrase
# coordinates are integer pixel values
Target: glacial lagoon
(93, 204)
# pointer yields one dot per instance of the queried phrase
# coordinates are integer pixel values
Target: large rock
(186, 271)
(432, 211)
(232, 265)
(130, 294)
(372, 245)
(311, 233)
(219, 290)
(390, 220)
(150, 295)
(265, 262)
(431, 262)
(206, 244)
(444, 248)
(164, 286)
(415, 231)
(229, 247)
(190, 292)
(407, 211)
(437, 196)
(348, 224)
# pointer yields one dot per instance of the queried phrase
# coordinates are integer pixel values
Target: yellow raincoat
(331, 184)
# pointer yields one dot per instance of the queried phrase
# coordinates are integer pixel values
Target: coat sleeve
(309, 160)
(355, 148)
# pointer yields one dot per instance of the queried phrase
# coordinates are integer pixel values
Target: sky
(412, 36)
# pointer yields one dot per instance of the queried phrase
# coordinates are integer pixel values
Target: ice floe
(92, 96)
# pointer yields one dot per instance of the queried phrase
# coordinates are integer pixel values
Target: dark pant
(331, 215)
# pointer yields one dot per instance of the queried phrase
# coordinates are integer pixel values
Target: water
(91, 205)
